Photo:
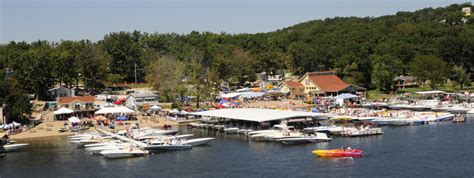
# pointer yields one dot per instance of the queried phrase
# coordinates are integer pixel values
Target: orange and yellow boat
(338, 153)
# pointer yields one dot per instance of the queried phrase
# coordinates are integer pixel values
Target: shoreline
(49, 129)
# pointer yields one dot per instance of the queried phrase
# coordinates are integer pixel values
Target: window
(139, 100)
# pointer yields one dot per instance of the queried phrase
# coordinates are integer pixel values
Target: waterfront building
(141, 101)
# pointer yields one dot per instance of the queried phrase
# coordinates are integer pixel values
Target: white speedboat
(164, 147)
(274, 137)
(198, 141)
(319, 137)
(15, 146)
(97, 150)
(124, 153)
(102, 144)
(232, 130)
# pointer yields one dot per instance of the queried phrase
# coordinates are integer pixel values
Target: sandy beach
(50, 128)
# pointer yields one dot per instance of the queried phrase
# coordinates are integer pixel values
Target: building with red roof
(322, 83)
(293, 89)
(77, 102)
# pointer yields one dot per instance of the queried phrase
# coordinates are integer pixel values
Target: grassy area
(376, 94)
(139, 85)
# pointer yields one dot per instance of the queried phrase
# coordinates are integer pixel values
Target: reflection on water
(442, 149)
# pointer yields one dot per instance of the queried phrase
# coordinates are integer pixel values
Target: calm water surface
(435, 150)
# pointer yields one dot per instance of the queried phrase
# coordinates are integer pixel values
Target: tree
(166, 75)
(384, 70)
(461, 77)
(429, 68)
(17, 103)
(125, 51)
(93, 66)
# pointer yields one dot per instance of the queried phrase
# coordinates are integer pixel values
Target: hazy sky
(30, 20)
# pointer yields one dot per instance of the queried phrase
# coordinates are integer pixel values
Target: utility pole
(135, 73)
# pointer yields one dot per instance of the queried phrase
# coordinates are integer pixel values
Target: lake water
(435, 150)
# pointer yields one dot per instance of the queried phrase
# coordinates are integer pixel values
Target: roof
(293, 84)
(143, 94)
(405, 78)
(85, 99)
(328, 82)
(257, 115)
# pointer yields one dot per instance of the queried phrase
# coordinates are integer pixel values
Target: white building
(61, 92)
(142, 100)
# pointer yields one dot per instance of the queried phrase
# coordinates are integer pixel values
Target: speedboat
(276, 129)
(324, 129)
(167, 144)
(319, 137)
(124, 153)
(275, 136)
(197, 141)
(102, 144)
(164, 147)
(14, 146)
(338, 153)
(232, 130)
(97, 150)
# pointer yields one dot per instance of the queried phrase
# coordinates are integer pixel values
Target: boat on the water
(124, 153)
(232, 130)
(198, 141)
(338, 153)
(319, 137)
(10, 147)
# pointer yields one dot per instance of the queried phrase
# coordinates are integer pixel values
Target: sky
(54, 20)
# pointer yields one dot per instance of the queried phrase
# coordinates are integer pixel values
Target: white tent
(13, 124)
(63, 111)
(112, 110)
(4, 126)
(174, 111)
(155, 107)
(74, 119)
(230, 95)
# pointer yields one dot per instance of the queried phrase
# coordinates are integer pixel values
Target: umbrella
(122, 118)
(155, 107)
(100, 118)
(314, 110)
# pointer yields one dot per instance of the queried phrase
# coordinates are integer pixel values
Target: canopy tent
(4, 126)
(230, 95)
(249, 95)
(155, 107)
(340, 98)
(63, 111)
(346, 96)
(174, 111)
(244, 90)
(74, 120)
(114, 110)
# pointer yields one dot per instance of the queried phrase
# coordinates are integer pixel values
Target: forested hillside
(367, 51)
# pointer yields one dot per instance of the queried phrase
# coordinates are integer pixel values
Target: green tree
(429, 68)
(17, 103)
(461, 77)
(384, 70)
(166, 75)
